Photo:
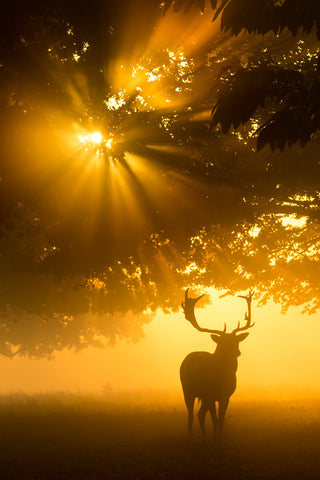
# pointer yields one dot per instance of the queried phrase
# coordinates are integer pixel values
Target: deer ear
(215, 338)
(242, 336)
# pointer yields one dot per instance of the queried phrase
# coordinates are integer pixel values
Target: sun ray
(124, 160)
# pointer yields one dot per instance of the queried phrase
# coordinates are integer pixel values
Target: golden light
(96, 137)
(93, 140)
(83, 139)
(161, 76)
(146, 92)
(155, 79)
(109, 143)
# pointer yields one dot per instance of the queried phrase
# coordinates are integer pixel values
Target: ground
(58, 438)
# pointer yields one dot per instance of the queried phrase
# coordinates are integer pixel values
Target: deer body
(211, 377)
(201, 377)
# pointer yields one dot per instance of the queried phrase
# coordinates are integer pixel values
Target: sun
(95, 142)
(96, 137)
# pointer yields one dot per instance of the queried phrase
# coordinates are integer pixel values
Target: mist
(290, 368)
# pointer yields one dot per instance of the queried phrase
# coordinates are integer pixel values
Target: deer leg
(223, 405)
(213, 413)
(190, 403)
(202, 419)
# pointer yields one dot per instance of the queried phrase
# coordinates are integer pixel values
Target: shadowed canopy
(117, 193)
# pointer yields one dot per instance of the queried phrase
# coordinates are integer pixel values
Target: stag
(211, 377)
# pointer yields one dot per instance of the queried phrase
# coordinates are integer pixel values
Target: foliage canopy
(96, 237)
(293, 88)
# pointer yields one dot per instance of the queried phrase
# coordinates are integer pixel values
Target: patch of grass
(70, 437)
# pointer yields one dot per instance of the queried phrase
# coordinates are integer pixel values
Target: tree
(292, 83)
(98, 233)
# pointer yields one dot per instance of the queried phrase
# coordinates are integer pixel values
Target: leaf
(220, 8)
(213, 4)
(166, 5)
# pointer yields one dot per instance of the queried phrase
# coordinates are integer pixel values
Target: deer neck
(229, 363)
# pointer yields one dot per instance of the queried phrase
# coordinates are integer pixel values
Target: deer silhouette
(211, 377)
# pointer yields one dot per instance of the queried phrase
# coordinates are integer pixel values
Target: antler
(188, 309)
(247, 316)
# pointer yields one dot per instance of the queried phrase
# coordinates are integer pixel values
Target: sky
(280, 358)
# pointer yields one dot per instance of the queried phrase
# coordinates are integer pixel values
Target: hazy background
(280, 359)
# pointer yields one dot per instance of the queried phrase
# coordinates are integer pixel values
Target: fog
(123, 436)
(279, 360)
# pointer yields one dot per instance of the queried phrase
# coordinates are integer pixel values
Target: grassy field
(70, 437)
